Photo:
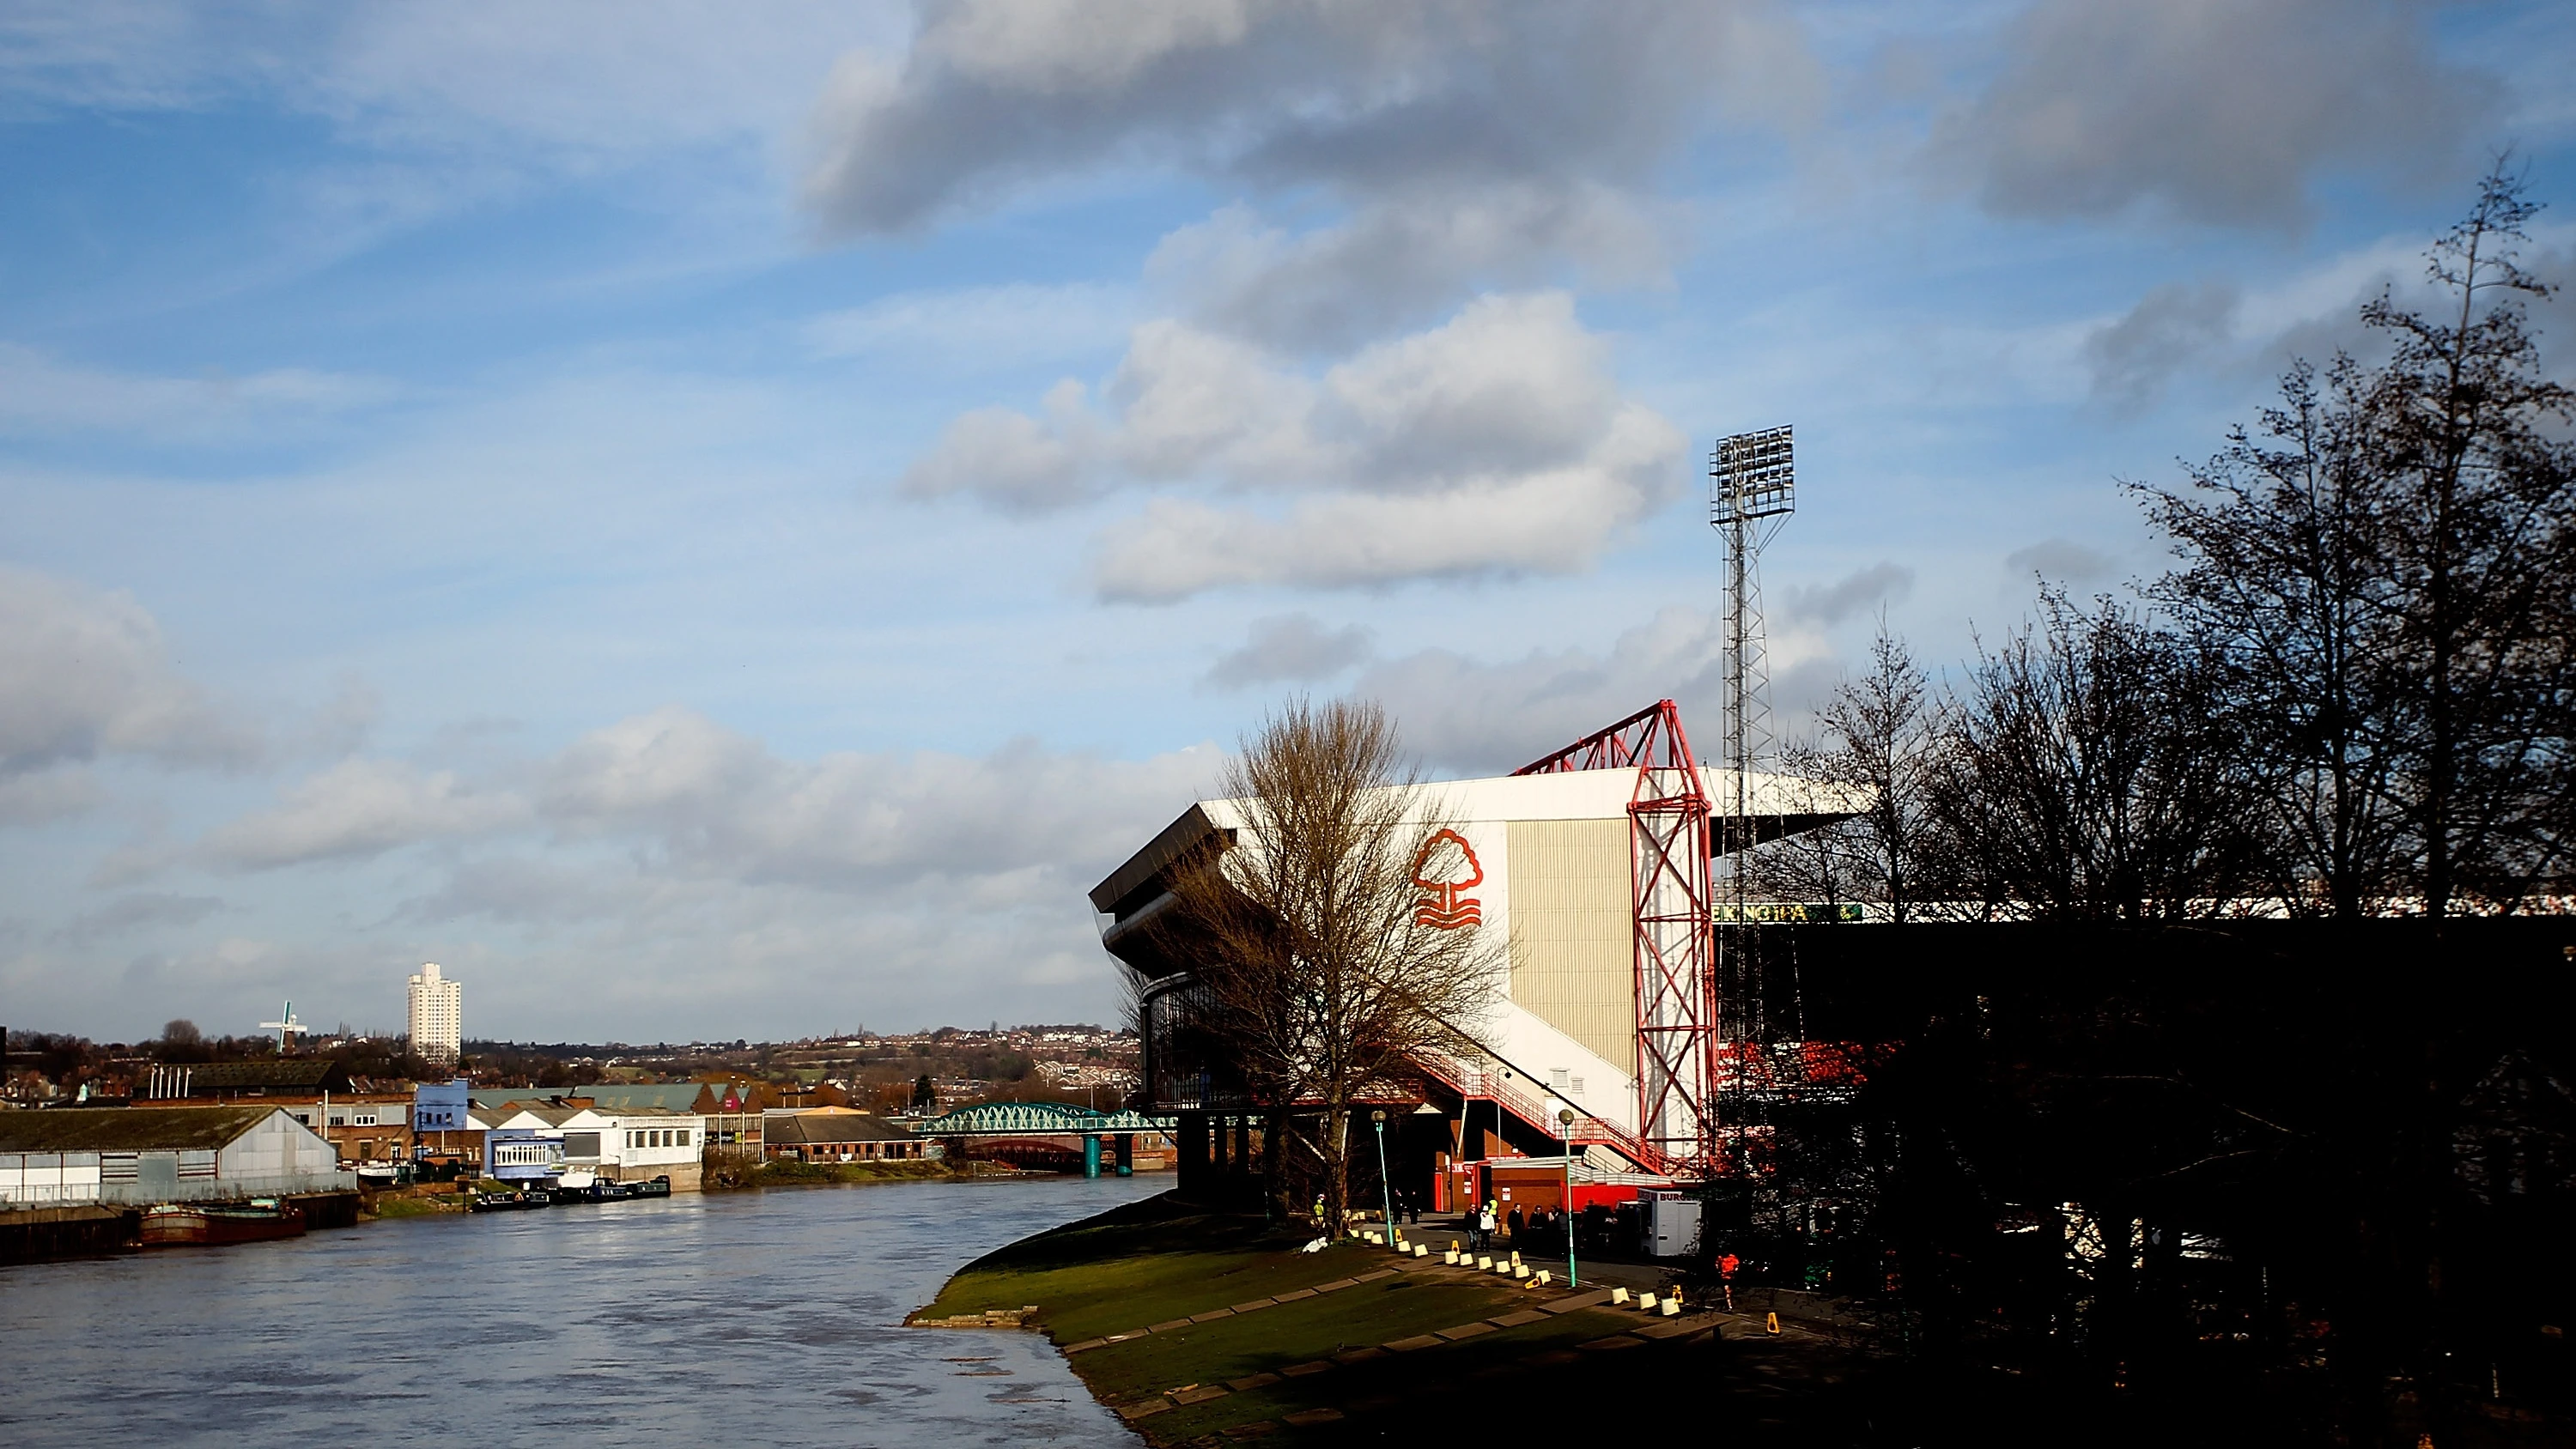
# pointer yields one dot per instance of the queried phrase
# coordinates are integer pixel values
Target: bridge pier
(1090, 1154)
(1126, 1154)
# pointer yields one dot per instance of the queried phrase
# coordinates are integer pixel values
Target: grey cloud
(140, 911)
(996, 94)
(1399, 261)
(356, 810)
(718, 805)
(2171, 327)
(2217, 113)
(1291, 647)
(2063, 561)
(1829, 604)
(1473, 717)
(86, 674)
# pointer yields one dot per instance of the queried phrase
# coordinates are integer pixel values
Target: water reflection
(764, 1318)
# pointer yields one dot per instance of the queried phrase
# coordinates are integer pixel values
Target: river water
(768, 1318)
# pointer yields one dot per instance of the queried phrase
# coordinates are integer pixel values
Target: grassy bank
(1376, 1350)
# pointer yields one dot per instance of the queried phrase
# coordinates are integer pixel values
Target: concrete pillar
(1126, 1154)
(1091, 1154)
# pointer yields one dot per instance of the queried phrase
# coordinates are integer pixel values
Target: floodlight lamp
(1752, 475)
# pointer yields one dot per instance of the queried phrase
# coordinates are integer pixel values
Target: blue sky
(721, 522)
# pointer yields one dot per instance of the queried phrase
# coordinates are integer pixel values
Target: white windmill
(285, 1027)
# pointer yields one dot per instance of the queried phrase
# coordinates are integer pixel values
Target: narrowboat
(190, 1224)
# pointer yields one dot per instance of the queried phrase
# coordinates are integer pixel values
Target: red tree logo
(1446, 866)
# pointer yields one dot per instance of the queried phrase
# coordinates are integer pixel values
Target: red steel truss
(1670, 876)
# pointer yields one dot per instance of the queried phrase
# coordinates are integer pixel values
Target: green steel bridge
(1053, 1119)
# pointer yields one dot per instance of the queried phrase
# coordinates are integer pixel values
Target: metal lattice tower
(1752, 490)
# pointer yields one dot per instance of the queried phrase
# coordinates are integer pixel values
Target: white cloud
(359, 809)
(43, 396)
(86, 674)
(1494, 443)
(2215, 111)
(978, 327)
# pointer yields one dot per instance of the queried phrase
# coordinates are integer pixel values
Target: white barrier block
(1619, 1295)
(1646, 1301)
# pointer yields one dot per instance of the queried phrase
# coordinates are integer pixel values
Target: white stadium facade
(1593, 870)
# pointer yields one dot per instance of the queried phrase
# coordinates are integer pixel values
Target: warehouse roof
(817, 1129)
(287, 1074)
(608, 1096)
(127, 1129)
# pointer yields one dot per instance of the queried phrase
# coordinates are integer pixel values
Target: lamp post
(1385, 1186)
(1565, 1134)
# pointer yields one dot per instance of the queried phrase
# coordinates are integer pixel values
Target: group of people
(1546, 1225)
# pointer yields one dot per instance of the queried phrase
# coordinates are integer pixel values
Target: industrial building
(1592, 870)
(70, 1156)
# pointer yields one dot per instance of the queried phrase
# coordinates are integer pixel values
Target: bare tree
(2387, 576)
(1874, 732)
(2285, 581)
(2471, 435)
(1322, 967)
(2081, 774)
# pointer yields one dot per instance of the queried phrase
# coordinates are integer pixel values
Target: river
(767, 1318)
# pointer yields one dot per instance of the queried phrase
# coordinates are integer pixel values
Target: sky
(724, 521)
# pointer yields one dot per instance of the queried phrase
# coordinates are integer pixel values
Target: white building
(1548, 867)
(632, 1144)
(437, 1015)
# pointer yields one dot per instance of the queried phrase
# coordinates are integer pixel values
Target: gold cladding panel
(1573, 940)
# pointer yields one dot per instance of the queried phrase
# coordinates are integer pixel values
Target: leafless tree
(2286, 582)
(1322, 968)
(2081, 774)
(2388, 571)
(1874, 732)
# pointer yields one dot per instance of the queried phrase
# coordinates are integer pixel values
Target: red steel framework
(1671, 885)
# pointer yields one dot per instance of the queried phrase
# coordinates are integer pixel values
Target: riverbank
(1199, 1326)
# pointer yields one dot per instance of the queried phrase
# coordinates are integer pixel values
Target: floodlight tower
(1752, 490)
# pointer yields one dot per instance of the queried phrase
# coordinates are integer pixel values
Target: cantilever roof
(127, 1129)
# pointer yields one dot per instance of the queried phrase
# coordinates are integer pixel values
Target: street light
(1565, 1133)
(1385, 1186)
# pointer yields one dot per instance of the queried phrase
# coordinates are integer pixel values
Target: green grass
(1155, 1261)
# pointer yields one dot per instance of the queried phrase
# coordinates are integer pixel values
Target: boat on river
(194, 1224)
(503, 1202)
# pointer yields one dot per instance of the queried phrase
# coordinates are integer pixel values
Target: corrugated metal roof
(609, 1096)
(302, 1074)
(127, 1129)
(816, 1129)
